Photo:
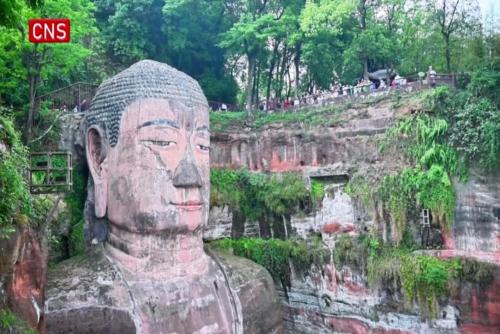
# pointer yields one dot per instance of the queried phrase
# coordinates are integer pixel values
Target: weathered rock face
(479, 306)
(286, 148)
(92, 295)
(257, 297)
(23, 265)
(337, 215)
(73, 137)
(477, 215)
(220, 223)
(338, 299)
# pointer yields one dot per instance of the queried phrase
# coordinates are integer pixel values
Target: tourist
(431, 77)
(421, 77)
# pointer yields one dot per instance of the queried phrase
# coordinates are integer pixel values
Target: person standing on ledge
(431, 77)
(148, 148)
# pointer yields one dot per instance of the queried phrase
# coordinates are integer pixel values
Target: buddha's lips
(189, 205)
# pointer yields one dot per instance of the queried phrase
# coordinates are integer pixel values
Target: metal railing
(75, 97)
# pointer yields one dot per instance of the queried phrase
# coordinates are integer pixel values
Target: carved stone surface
(147, 148)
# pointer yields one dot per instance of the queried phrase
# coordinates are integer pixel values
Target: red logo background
(49, 30)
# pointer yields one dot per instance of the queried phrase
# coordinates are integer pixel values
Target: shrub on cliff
(259, 196)
(277, 255)
(424, 279)
(15, 203)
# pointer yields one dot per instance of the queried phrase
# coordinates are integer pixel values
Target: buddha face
(156, 178)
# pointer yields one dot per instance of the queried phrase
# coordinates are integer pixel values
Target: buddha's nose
(186, 175)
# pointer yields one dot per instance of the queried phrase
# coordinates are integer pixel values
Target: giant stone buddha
(147, 148)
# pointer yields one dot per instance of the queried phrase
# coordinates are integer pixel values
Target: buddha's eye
(161, 143)
(203, 147)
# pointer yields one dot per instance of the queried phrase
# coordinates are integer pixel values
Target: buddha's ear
(96, 150)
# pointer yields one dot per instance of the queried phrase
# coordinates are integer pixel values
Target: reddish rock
(151, 122)
(290, 147)
(480, 307)
(331, 277)
(334, 228)
(23, 265)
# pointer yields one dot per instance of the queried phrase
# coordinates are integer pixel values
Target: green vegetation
(76, 204)
(456, 128)
(401, 194)
(324, 116)
(317, 190)
(355, 252)
(453, 130)
(474, 115)
(422, 139)
(412, 188)
(276, 255)
(259, 196)
(421, 278)
(424, 278)
(29, 70)
(361, 189)
(14, 194)
(10, 323)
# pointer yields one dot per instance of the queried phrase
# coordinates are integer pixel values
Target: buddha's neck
(157, 256)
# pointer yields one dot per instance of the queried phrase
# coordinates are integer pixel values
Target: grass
(326, 116)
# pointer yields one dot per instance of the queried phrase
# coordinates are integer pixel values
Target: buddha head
(147, 148)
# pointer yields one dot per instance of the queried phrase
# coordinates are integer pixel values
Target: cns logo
(49, 30)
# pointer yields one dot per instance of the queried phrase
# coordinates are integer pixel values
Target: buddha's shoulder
(87, 287)
(84, 272)
(256, 292)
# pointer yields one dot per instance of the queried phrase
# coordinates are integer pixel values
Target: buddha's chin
(190, 217)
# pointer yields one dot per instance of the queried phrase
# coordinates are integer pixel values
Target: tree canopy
(244, 51)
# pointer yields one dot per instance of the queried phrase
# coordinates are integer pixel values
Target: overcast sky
(487, 5)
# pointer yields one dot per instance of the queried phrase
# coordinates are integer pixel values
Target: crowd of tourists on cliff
(380, 82)
(337, 91)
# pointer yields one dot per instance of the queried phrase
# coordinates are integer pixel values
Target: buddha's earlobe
(96, 149)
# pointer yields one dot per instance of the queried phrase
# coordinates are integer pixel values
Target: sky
(486, 6)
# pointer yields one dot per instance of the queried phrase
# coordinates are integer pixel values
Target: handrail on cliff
(77, 95)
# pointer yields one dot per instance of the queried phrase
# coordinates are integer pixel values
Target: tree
(132, 30)
(366, 37)
(452, 16)
(37, 63)
(11, 12)
(247, 37)
(492, 34)
(192, 29)
(327, 26)
(183, 33)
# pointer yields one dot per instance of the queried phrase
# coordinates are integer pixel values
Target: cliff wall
(338, 298)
